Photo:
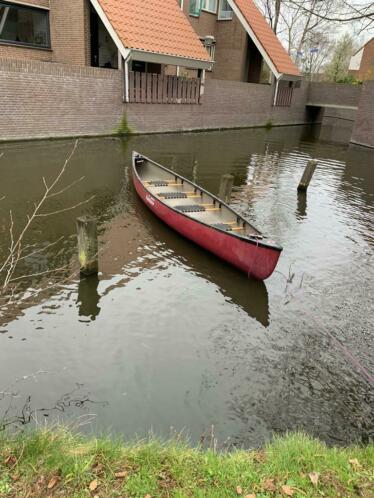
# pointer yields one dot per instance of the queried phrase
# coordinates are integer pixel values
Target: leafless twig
(17, 251)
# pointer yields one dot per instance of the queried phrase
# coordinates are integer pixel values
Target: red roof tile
(265, 35)
(157, 26)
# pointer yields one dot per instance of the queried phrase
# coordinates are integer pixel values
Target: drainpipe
(202, 84)
(276, 91)
(178, 68)
(119, 61)
(127, 94)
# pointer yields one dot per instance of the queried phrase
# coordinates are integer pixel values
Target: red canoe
(204, 219)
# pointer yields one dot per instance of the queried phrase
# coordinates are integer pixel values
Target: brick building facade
(362, 62)
(76, 34)
(67, 34)
(225, 37)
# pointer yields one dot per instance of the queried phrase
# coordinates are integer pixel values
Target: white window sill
(209, 11)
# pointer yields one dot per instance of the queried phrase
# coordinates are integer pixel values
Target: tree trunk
(276, 17)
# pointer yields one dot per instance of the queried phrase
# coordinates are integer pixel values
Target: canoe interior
(182, 195)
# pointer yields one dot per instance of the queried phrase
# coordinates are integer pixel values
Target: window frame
(26, 44)
(220, 11)
(202, 3)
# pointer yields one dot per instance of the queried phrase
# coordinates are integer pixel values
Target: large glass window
(225, 11)
(209, 5)
(24, 25)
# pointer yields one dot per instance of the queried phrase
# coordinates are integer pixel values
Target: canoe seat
(222, 226)
(192, 208)
(173, 195)
(158, 183)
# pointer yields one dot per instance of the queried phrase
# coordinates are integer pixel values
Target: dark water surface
(169, 336)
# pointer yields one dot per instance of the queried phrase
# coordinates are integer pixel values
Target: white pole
(119, 61)
(202, 85)
(276, 92)
(127, 93)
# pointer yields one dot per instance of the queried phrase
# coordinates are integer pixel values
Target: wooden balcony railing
(284, 96)
(148, 88)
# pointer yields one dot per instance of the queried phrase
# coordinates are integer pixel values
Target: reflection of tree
(292, 383)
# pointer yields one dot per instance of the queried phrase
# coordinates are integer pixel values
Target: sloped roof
(156, 26)
(363, 46)
(266, 37)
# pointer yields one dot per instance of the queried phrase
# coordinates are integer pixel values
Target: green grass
(70, 464)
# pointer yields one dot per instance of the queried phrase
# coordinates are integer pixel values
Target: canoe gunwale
(254, 241)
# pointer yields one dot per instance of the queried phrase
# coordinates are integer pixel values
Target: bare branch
(42, 249)
(55, 194)
(15, 251)
(361, 15)
(70, 208)
(39, 274)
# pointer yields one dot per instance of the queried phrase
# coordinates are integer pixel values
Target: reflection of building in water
(261, 173)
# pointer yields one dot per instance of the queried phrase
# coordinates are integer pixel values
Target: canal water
(170, 339)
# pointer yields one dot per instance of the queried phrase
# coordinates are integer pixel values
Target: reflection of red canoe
(204, 219)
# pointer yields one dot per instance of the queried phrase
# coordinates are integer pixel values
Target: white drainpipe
(127, 93)
(202, 84)
(276, 92)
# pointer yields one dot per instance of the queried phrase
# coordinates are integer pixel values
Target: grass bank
(58, 463)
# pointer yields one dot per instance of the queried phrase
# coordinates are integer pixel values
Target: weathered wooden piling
(225, 189)
(307, 176)
(87, 245)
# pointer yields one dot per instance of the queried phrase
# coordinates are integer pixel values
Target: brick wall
(226, 104)
(367, 64)
(334, 94)
(53, 100)
(337, 125)
(363, 132)
(231, 44)
(70, 31)
(231, 51)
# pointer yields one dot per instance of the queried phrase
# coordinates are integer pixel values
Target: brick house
(165, 48)
(361, 65)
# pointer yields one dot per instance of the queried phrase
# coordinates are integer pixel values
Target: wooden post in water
(225, 189)
(307, 176)
(87, 245)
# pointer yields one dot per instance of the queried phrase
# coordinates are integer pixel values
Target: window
(24, 25)
(225, 11)
(210, 46)
(209, 5)
(195, 7)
